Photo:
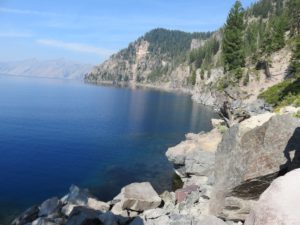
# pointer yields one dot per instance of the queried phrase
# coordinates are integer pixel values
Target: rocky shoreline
(224, 173)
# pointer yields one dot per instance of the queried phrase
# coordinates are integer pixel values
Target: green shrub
(222, 128)
(283, 94)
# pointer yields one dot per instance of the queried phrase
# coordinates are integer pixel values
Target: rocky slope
(59, 68)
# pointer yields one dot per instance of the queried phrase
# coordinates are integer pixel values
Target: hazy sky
(90, 30)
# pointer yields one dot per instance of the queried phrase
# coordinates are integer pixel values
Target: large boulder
(196, 155)
(139, 197)
(250, 156)
(82, 197)
(279, 204)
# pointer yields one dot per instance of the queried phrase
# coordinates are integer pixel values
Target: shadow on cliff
(291, 153)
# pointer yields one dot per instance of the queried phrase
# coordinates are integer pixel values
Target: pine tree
(295, 60)
(279, 31)
(274, 38)
(233, 44)
(294, 16)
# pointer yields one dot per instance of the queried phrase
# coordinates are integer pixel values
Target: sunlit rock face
(279, 204)
(250, 156)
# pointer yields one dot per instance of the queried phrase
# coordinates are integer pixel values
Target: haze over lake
(55, 133)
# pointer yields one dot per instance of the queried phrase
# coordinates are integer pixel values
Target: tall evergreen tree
(274, 38)
(233, 44)
(295, 60)
(294, 15)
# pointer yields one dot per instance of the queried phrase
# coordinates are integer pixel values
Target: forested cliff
(245, 57)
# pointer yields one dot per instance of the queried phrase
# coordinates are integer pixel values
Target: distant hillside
(250, 53)
(58, 68)
(151, 58)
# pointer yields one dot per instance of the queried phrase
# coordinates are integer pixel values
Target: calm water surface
(56, 133)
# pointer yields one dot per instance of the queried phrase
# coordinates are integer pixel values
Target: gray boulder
(154, 213)
(236, 209)
(97, 205)
(251, 155)
(258, 106)
(137, 221)
(139, 197)
(109, 218)
(208, 220)
(44, 221)
(196, 155)
(77, 196)
(50, 206)
(168, 198)
(178, 219)
(84, 216)
(279, 204)
(163, 220)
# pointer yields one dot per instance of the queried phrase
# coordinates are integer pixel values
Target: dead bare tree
(232, 116)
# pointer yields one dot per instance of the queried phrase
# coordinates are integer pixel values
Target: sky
(89, 31)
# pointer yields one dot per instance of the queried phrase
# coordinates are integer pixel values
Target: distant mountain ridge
(57, 68)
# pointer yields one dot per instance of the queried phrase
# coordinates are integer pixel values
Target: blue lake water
(55, 133)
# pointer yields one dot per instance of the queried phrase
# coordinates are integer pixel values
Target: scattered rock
(236, 209)
(178, 219)
(97, 205)
(50, 206)
(137, 221)
(43, 221)
(258, 106)
(163, 220)
(28, 216)
(181, 194)
(168, 198)
(118, 210)
(139, 197)
(77, 196)
(154, 213)
(67, 209)
(84, 216)
(109, 218)
(279, 204)
(209, 220)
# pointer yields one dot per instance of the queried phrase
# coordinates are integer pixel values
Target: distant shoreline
(40, 77)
